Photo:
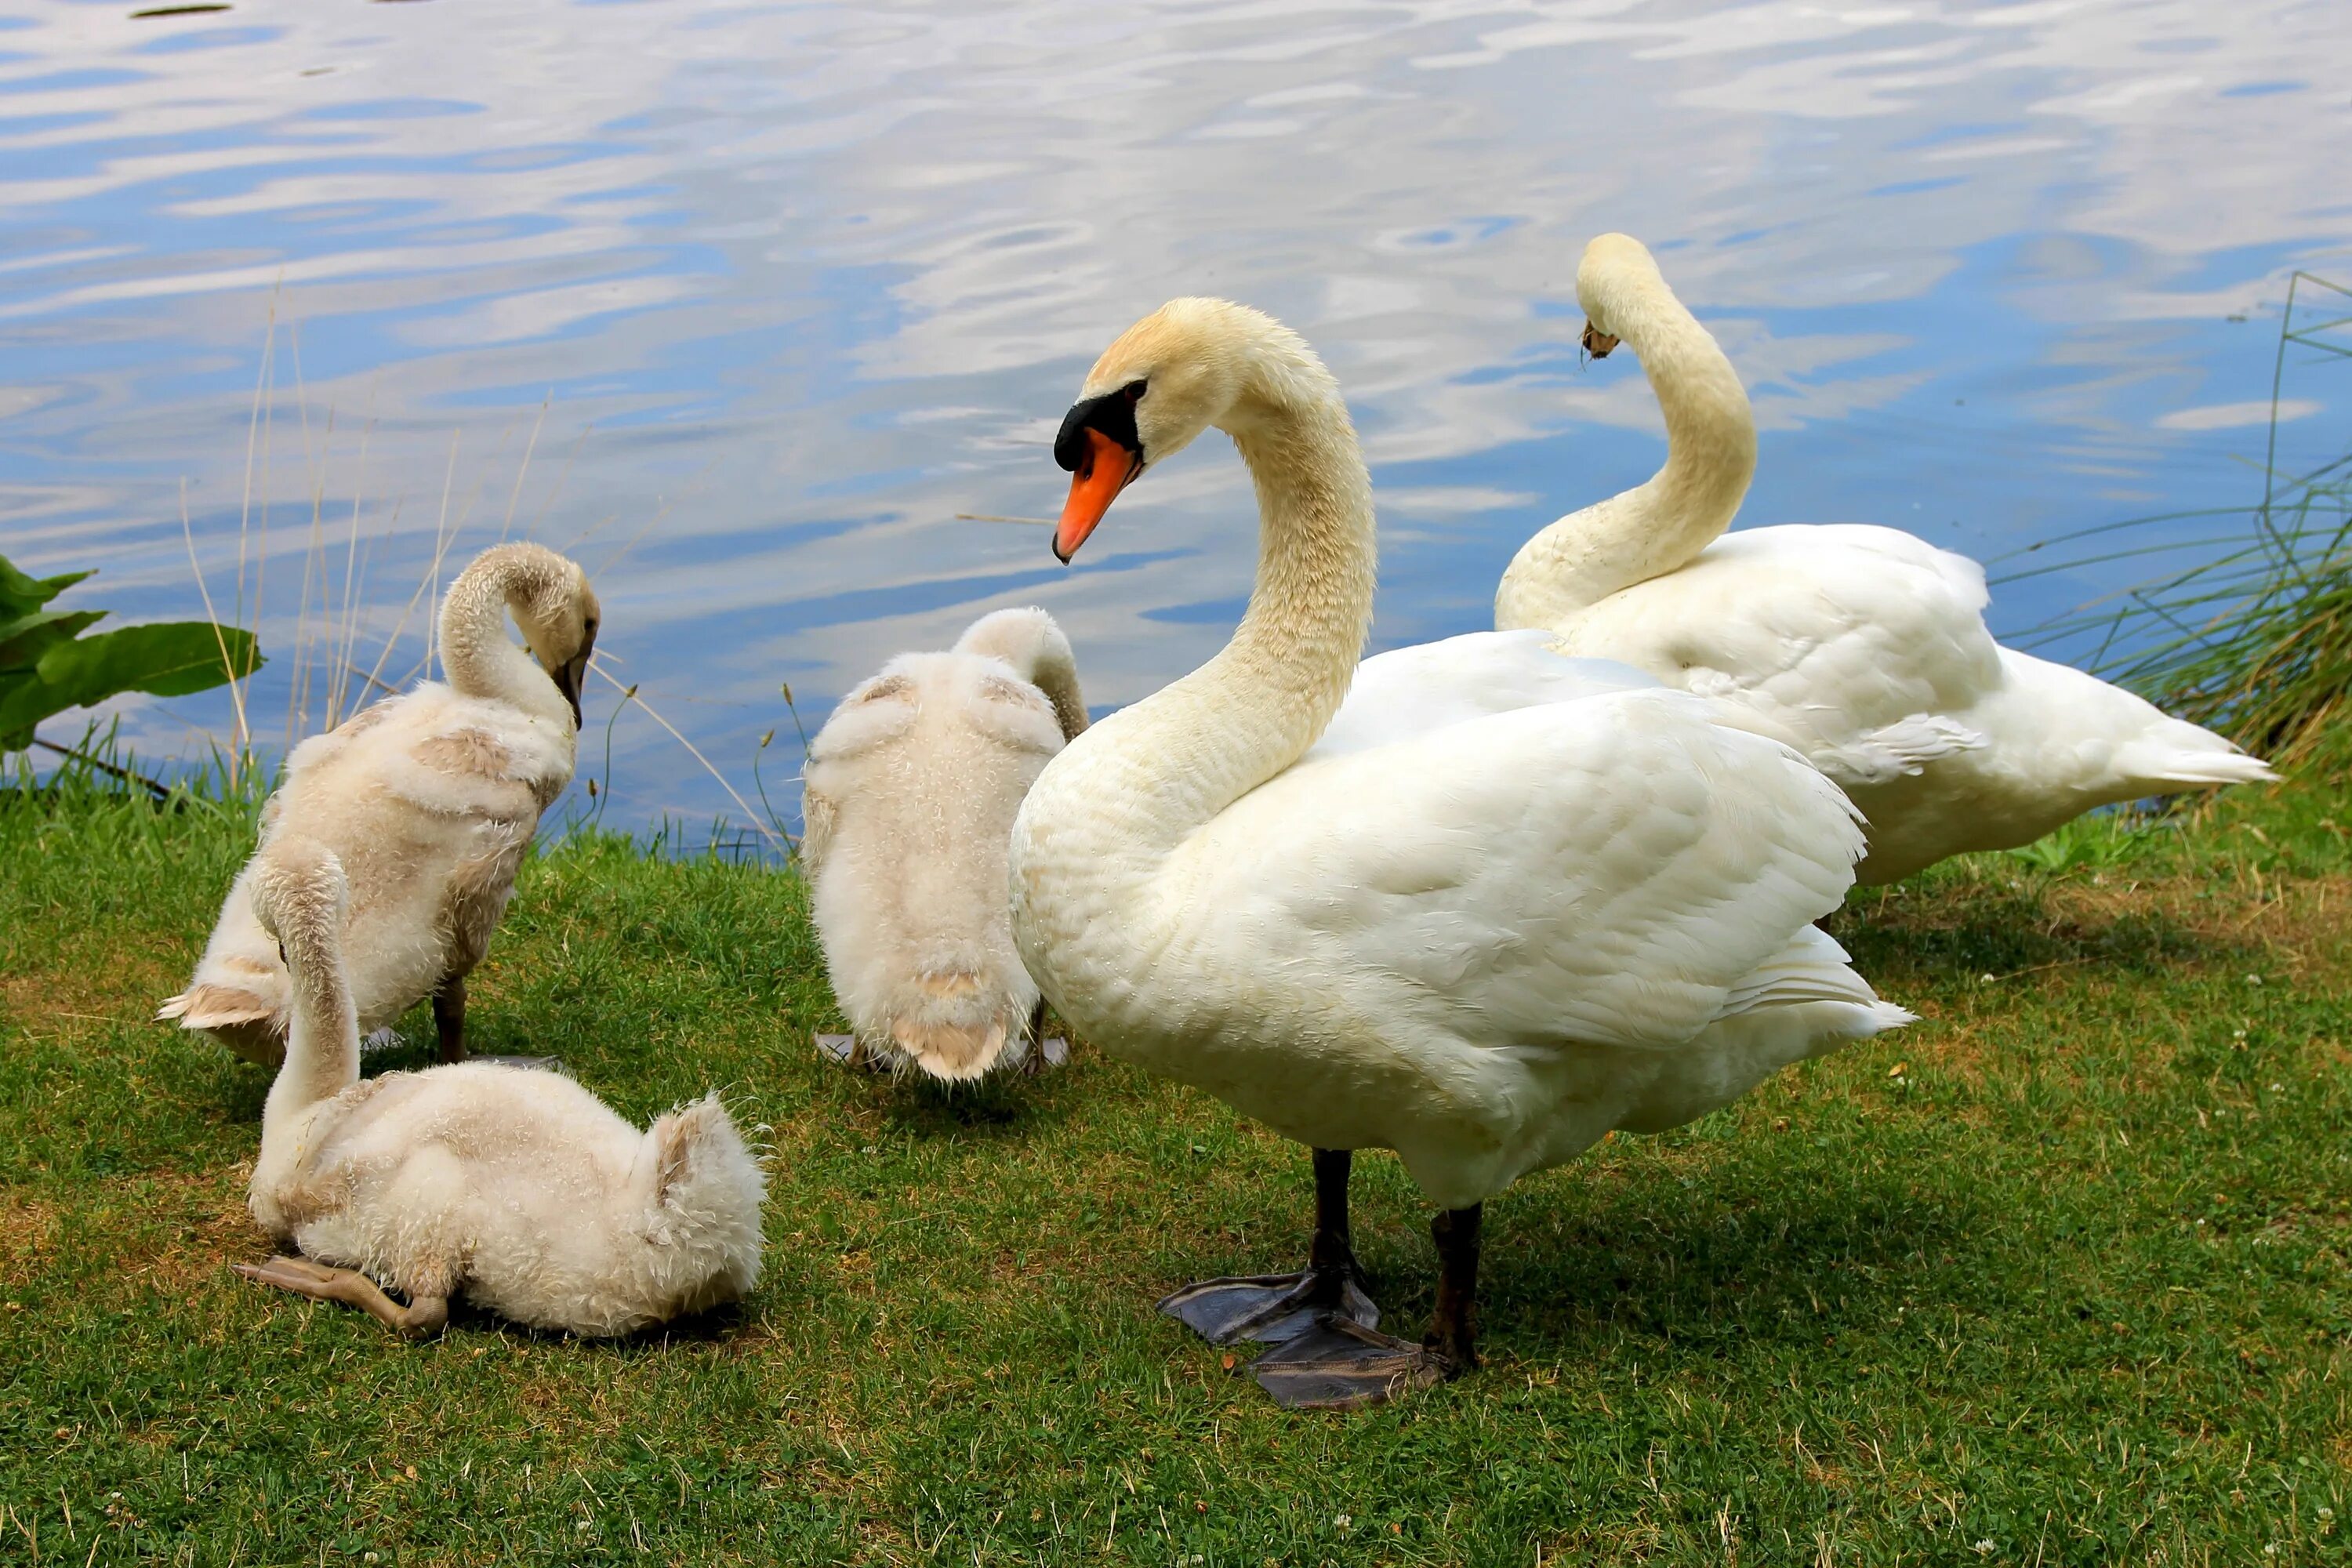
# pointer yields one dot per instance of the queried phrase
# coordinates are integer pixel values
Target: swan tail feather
(248, 1023)
(207, 1006)
(956, 1053)
(704, 1205)
(2163, 767)
(1812, 968)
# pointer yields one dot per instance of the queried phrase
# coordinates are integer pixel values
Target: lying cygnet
(912, 787)
(518, 1189)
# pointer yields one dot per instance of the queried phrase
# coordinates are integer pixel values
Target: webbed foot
(424, 1315)
(1271, 1308)
(1337, 1365)
(849, 1052)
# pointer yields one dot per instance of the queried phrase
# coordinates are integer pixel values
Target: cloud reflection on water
(817, 279)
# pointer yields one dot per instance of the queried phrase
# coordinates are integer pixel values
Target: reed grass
(343, 656)
(2250, 631)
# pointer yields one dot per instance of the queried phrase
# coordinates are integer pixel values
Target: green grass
(2056, 1275)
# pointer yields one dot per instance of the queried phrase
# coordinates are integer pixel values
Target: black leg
(449, 1024)
(449, 1017)
(1330, 1252)
(1274, 1307)
(1453, 1333)
(1034, 1062)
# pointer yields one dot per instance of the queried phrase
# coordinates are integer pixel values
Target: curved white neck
(477, 655)
(1055, 672)
(1156, 770)
(1034, 646)
(323, 1034)
(1661, 525)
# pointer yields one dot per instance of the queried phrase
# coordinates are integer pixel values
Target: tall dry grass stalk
(329, 675)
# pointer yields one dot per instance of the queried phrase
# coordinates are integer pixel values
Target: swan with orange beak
(1471, 901)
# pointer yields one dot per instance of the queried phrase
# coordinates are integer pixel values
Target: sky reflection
(795, 285)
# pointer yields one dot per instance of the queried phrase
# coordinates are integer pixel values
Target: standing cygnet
(519, 1189)
(429, 799)
(912, 787)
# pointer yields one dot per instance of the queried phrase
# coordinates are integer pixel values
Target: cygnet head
(1616, 272)
(554, 606)
(299, 894)
(1191, 364)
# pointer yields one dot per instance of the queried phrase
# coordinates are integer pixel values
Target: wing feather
(1616, 869)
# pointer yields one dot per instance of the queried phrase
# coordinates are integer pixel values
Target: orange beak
(1107, 470)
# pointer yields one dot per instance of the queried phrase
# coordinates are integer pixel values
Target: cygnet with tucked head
(912, 787)
(428, 800)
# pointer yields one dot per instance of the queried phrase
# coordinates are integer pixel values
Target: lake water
(766, 295)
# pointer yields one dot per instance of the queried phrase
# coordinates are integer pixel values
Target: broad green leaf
(25, 701)
(26, 638)
(167, 658)
(21, 595)
(170, 659)
(46, 666)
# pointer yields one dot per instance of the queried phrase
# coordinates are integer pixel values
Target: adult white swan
(1865, 646)
(1511, 901)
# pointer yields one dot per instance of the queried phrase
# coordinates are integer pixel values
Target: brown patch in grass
(203, 1216)
(123, 986)
(2304, 923)
(29, 1230)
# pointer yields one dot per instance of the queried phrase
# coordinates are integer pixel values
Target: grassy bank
(2056, 1275)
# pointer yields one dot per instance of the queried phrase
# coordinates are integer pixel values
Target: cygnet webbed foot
(424, 1315)
(850, 1052)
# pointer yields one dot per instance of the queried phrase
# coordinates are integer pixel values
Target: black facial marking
(1113, 414)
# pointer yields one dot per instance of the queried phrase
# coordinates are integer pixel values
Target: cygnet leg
(423, 1316)
(1036, 1061)
(450, 1016)
(449, 1024)
(1274, 1308)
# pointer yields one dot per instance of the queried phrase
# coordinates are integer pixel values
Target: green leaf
(167, 658)
(26, 638)
(21, 595)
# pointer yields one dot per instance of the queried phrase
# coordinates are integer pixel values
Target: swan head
(1188, 365)
(1615, 276)
(559, 614)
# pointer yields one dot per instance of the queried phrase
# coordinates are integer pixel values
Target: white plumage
(911, 789)
(428, 800)
(1864, 647)
(518, 1189)
(1587, 910)
(1493, 905)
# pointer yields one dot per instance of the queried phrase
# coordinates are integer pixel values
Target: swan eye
(1133, 391)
